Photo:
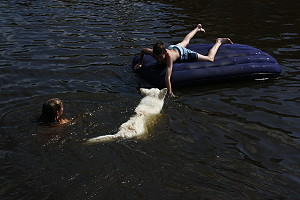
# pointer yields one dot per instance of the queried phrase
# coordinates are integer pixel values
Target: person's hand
(137, 66)
(200, 28)
(172, 95)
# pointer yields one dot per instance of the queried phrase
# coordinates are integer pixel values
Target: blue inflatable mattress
(232, 62)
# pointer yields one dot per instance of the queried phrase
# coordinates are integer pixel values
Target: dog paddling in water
(148, 110)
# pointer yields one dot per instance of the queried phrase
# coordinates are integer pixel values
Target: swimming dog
(147, 111)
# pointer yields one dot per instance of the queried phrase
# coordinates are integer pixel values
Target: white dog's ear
(144, 91)
(162, 93)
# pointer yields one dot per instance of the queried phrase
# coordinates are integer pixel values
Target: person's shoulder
(172, 55)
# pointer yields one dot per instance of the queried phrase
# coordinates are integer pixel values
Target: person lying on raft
(179, 52)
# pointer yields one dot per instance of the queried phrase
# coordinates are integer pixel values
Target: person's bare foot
(200, 28)
(224, 41)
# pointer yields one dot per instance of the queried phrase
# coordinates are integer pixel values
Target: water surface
(236, 140)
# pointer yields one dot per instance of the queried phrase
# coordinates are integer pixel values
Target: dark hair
(51, 111)
(159, 48)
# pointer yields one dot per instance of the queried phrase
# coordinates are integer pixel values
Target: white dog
(147, 111)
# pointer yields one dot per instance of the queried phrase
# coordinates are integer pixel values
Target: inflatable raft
(232, 62)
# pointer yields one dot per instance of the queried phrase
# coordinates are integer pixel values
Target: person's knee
(208, 59)
(211, 59)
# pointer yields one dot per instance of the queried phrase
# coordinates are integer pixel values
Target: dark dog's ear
(162, 93)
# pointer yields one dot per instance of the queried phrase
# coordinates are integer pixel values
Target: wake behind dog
(147, 110)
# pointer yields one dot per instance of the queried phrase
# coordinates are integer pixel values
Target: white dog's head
(154, 92)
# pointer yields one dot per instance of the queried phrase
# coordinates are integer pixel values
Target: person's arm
(168, 75)
(143, 52)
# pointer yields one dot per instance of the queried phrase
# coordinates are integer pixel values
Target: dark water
(226, 141)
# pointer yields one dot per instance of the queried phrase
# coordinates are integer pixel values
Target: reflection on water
(231, 141)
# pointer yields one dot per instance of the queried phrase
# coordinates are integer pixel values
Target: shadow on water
(236, 140)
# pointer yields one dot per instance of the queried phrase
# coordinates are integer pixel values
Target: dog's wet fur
(147, 111)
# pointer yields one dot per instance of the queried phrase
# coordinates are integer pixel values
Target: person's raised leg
(189, 36)
(213, 51)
